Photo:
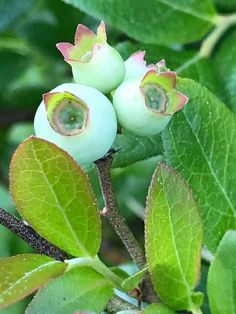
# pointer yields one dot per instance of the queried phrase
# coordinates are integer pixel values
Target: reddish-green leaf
(173, 239)
(54, 195)
(20, 275)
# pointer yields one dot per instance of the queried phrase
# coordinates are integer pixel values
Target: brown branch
(30, 236)
(111, 212)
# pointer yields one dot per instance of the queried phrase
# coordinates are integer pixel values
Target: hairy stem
(111, 212)
(30, 236)
(120, 226)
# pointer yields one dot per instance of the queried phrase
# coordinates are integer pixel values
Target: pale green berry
(93, 61)
(136, 66)
(145, 106)
(79, 119)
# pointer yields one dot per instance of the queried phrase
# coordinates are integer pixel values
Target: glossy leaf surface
(21, 275)
(173, 239)
(200, 141)
(81, 288)
(54, 195)
(177, 23)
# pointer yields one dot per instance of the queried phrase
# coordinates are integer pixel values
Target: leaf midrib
(77, 240)
(174, 244)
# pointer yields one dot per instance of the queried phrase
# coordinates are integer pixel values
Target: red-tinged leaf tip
(161, 63)
(47, 97)
(82, 31)
(65, 49)
(182, 101)
(101, 32)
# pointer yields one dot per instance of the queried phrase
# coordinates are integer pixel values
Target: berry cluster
(81, 119)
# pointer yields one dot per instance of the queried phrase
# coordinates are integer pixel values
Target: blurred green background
(30, 65)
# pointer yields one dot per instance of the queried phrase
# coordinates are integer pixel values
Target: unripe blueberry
(145, 106)
(93, 61)
(136, 67)
(79, 119)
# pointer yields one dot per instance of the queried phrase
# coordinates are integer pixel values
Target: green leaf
(173, 238)
(200, 141)
(158, 309)
(54, 195)
(132, 281)
(20, 275)
(159, 21)
(222, 277)
(129, 312)
(225, 63)
(119, 272)
(80, 288)
(15, 308)
(204, 72)
(174, 58)
(135, 148)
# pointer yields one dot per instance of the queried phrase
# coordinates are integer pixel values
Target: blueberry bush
(117, 164)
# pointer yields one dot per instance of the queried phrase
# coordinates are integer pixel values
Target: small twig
(30, 236)
(112, 214)
(122, 229)
(117, 304)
